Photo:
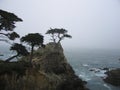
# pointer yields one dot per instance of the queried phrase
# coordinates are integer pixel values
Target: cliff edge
(50, 71)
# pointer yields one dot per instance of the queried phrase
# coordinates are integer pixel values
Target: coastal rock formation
(113, 77)
(50, 71)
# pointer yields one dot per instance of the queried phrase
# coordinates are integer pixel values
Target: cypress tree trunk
(31, 55)
(7, 60)
(53, 38)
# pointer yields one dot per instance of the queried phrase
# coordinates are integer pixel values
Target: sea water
(5, 52)
(88, 65)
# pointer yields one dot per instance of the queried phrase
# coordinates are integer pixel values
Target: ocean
(87, 64)
(5, 52)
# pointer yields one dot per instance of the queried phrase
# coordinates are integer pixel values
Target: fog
(92, 23)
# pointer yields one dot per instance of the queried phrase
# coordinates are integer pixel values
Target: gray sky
(92, 23)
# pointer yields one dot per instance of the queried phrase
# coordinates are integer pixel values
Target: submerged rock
(50, 71)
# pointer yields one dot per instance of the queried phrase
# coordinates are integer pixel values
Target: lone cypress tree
(58, 34)
(34, 40)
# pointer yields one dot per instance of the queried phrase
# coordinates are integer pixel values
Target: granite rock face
(50, 71)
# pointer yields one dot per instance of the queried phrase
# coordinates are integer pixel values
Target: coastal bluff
(50, 71)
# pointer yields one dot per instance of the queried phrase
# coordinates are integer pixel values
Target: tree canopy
(20, 50)
(7, 20)
(58, 34)
(7, 25)
(33, 39)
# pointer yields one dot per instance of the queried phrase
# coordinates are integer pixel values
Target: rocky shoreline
(113, 77)
(109, 76)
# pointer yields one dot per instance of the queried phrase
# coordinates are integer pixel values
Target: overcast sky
(92, 23)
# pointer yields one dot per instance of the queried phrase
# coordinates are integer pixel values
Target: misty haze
(92, 23)
(86, 31)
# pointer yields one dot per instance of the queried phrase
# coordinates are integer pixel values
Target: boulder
(113, 77)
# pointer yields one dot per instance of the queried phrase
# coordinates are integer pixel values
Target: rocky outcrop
(113, 77)
(50, 71)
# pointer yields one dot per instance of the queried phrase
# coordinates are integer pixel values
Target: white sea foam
(98, 72)
(105, 85)
(85, 65)
(101, 74)
(84, 77)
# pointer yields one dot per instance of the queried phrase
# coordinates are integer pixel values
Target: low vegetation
(10, 67)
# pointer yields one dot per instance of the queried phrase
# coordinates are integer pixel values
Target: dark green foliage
(7, 20)
(68, 36)
(56, 30)
(10, 67)
(7, 24)
(34, 40)
(58, 34)
(20, 50)
(13, 35)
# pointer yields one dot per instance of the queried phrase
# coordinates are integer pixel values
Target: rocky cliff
(50, 71)
(113, 77)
